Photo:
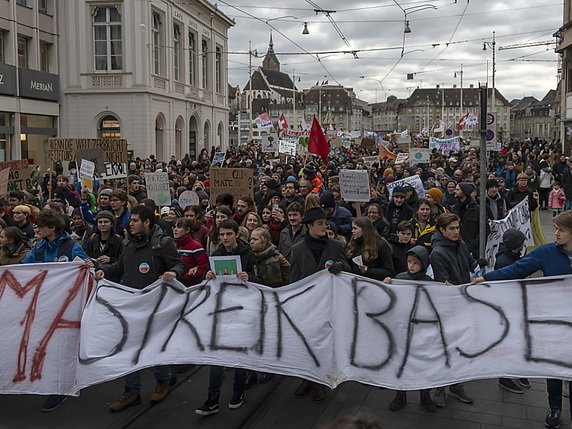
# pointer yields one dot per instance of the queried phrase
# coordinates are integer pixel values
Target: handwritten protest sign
(445, 146)
(234, 181)
(288, 147)
(320, 328)
(86, 169)
(270, 143)
(188, 198)
(64, 149)
(115, 170)
(20, 175)
(218, 159)
(354, 185)
(157, 185)
(414, 181)
(402, 157)
(419, 156)
(518, 217)
(4, 177)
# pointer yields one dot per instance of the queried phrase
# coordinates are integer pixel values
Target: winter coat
(121, 222)
(62, 249)
(139, 194)
(399, 255)
(496, 207)
(546, 178)
(515, 196)
(509, 177)
(247, 259)
(275, 229)
(194, 256)
(303, 261)
(14, 256)
(145, 258)
(556, 199)
(550, 258)
(566, 179)
(272, 267)
(28, 230)
(468, 212)
(200, 233)
(424, 236)
(379, 268)
(451, 260)
(343, 220)
(112, 248)
(287, 241)
(505, 257)
(395, 215)
(421, 275)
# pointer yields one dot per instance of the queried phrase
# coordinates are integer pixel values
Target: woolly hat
(273, 184)
(291, 179)
(513, 239)
(492, 183)
(105, 214)
(202, 195)
(467, 188)
(436, 194)
(165, 210)
(327, 199)
(398, 190)
(107, 192)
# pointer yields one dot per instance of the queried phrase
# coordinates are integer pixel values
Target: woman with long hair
(220, 213)
(251, 221)
(423, 224)
(13, 246)
(191, 251)
(375, 214)
(375, 251)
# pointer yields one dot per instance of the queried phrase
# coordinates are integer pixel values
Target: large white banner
(518, 217)
(325, 328)
(414, 181)
(40, 313)
(445, 146)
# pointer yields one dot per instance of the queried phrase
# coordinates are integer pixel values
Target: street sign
(491, 133)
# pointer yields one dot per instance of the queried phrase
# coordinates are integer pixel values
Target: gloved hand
(336, 267)
(482, 262)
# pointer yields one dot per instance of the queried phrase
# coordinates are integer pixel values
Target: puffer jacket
(14, 256)
(62, 249)
(272, 267)
(145, 258)
(451, 260)
(194, 256)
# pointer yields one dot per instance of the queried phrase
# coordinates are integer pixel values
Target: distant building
(564, 48)
(531, 118)
(385, 115)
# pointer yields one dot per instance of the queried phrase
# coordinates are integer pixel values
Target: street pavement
(273, 405)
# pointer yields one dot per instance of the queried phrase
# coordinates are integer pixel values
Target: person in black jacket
(396, 211)
(230, 245)
(147, 256)
(520, 191)
(375, 251)
(468, 211)
(404, 245)
(104, 245)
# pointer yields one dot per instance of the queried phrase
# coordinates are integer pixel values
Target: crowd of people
(295, 224)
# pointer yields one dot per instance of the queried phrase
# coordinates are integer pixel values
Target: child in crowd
(556, 199)
(417, 264)
(400, 249)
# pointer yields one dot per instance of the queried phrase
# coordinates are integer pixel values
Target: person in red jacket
(191, 251)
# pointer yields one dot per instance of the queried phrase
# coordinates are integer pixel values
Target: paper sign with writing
(270, 143)
(218, 159)
(402, 157)
(4, 177)
(64, 149)
(157, 185)
(288, 147)
(445, 146)
(354, 185)
(188, 198)
(115, 170)
(87, 169)
(419, 156)
(234, 181)
(414, 181)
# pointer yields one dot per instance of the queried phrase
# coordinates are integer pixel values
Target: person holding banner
(147, 256)
(553, 259)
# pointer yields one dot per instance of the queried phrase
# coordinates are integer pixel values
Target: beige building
(564, 47)
(29, 82)
(532, 118)
(385, 115)
(154, 73)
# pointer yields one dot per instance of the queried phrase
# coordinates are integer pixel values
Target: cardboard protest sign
(188, 198)
(288, 147)
(65, 149)
(234, 181)
(414, 181)
(355, 185)
(419, 156)
(19, 176)
(86, 169)
(157, 185)
(4, 177)
(518, 217)
(402, 157)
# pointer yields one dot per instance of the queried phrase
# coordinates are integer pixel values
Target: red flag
(317, 143)
(282, 124)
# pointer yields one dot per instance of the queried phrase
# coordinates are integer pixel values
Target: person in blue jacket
(553, 259)
(56, 245)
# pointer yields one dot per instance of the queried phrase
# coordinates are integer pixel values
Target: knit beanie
(436, 194)
(467, 188)
(513, 239)
(105, 214)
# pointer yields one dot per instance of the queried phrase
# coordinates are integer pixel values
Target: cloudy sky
(445, 36)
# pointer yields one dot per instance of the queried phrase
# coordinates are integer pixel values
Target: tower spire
(271, 43)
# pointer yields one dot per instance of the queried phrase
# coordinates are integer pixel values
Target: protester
(396, 211)
(556, 199)
(375, 214)
(199, 232)
(221, 213)
(191, 251)
(13, 246)
(496, 204)
(294, 232)
(423, 224)
(341, 216)
(272, 268)
(404, 244)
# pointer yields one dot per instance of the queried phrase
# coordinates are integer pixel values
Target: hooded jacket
(62, 249)
(271, 267)
(194, 256)
(505, 257)
(15, 256)
(451, 260)
(422, 255)
(468, 212)
(145, 258)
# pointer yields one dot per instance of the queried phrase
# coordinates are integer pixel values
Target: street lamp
(305, 30)
(460, 73)
(493, 46)
(413, 9)
(380, 83)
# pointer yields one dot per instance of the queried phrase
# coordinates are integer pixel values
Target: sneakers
(208, 408)
(552, 418)
(161, 391)
(524, 383)
(440, 397)
(52, 402)
(236, 401)
(458, 391)
(128, 399)
(399, 401)
(510, 386)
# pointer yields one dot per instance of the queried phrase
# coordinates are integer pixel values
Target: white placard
(419, 156)
(218, 159)
(402, 157)
(158, 190)
(188, 198)
(355, 186)
(445, 146)
(414, 181)
(368, 161)
(270, 143)
(115, 170)
(288, 147)
(87, 169)
(518, 217)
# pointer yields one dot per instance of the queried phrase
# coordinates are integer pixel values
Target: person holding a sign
(553, 259)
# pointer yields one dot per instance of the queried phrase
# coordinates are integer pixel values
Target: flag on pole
(317, 143)
(472, 120)
(263, 121)
(384, 152)
(282, 124)
(462, 120)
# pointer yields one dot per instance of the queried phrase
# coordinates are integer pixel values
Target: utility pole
(250, 133)
(483, 90)
(494, 109)
(294, 99)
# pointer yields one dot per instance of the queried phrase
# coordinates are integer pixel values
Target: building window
(205, 63)
(192, 53)
(43, 6)
(22, 52)
(177, 51)
(22, 2)
(107, 39)
(218, 70)
(109, 128)
(45, 49)
(156, 33)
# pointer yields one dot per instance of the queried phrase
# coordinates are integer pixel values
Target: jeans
(133, 380)
(215, 381)
(554, 388)
(568, 205)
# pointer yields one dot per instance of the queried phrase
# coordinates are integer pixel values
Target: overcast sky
(440, 41)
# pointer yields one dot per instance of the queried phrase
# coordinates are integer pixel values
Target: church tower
(270, 60)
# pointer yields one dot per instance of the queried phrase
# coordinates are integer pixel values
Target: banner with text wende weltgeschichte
(324, 328)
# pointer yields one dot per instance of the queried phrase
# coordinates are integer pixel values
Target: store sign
(7, 79)
(40, 85)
